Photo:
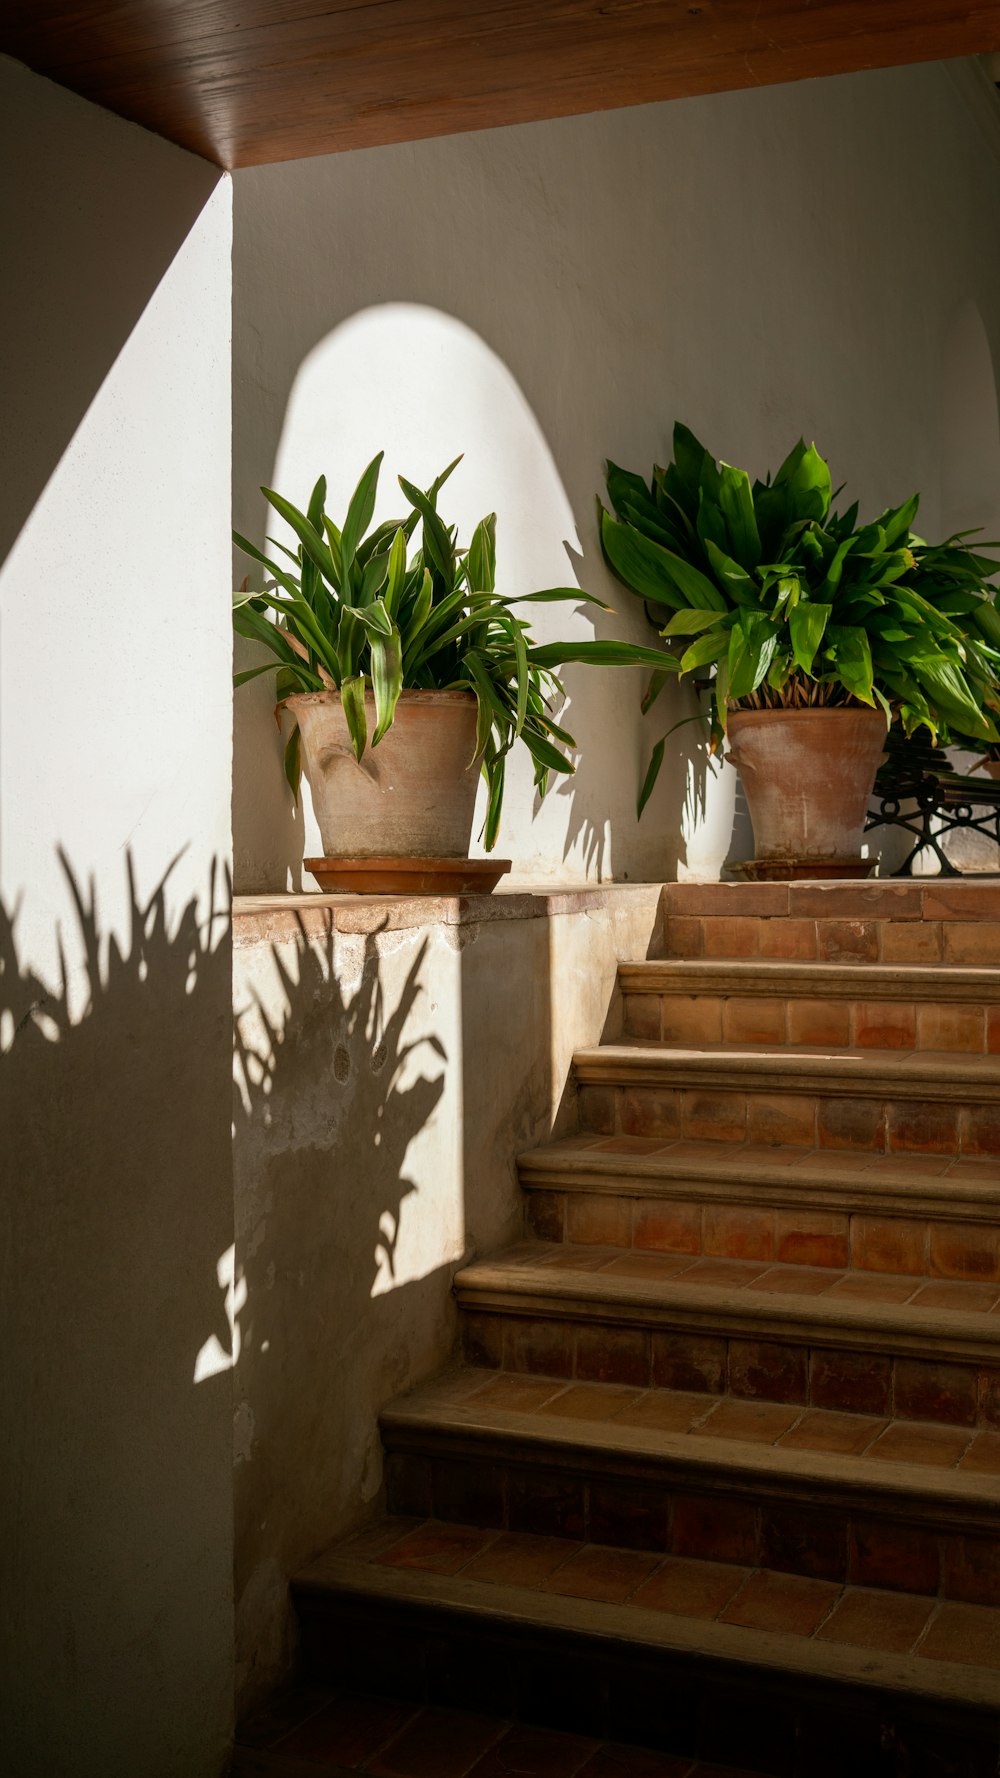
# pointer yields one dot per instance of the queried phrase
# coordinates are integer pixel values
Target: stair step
(871, 922)
(704, 1659)
(763, 1001)
(833, 1496)
(900, 1101)
(847, 1340)
(366, 1733)
(913, 1214)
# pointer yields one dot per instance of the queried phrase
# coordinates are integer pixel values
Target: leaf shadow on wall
(116, 1492)
(331, 1088)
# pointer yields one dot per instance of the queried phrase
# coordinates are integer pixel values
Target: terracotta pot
(412, 796)
(808, 777)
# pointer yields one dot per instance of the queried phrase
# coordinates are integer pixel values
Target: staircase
(720, 1472)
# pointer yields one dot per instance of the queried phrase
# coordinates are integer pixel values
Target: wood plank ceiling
(248, 81)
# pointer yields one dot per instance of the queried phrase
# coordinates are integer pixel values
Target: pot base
(407, 876)
(800, 870)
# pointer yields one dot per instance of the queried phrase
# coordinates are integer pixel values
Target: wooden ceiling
(248, 81)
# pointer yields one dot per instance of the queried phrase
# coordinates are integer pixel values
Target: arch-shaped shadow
(425, 385)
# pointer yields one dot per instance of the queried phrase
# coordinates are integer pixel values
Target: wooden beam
(249, 81)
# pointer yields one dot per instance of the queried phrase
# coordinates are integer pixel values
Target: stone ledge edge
(267, 918)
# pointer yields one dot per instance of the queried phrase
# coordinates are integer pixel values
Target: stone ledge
(263, 919)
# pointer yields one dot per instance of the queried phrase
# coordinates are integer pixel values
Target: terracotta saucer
(407, 876)
(806, 870)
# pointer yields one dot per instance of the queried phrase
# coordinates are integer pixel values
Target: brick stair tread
(827, 1179)
(580, 1426)
(923, 1074)
(849, 981)
(375, 1733)
(432, 1567)
(779, 1301)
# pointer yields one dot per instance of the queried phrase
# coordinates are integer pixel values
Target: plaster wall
(761, 264)
(387, 1077)
(115, 1209)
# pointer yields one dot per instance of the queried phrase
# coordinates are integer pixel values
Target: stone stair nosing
(426, 1424)
(852, 1073)
(809, 980)
(888, 1184)
(715, 1649)
(506, 1285)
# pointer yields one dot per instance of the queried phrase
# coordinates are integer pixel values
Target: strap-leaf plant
(353, 607)
(795, 606)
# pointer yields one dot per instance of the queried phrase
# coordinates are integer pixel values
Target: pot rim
(418, 695)
(854, 712)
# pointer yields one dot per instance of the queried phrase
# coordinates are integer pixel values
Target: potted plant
(405, 672)
(820, 632)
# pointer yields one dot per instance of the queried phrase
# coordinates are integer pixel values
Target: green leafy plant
(353, 607)
(794, 606)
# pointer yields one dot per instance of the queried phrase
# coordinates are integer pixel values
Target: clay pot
(808, 777)
(412, 796)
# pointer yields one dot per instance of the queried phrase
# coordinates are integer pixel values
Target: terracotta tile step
(857, 1342)
(831, 1495)
(915, 1214)
(867, 898)
(763, 1001)
(869, 922)
(336, 1732)
(716, 1661)
(899, 1101)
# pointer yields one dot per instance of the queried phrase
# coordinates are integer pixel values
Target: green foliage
(352, 608)
(795, 606)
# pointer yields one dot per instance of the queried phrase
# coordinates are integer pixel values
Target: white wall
(760, 264)
(115, 1497)
(387, 1079)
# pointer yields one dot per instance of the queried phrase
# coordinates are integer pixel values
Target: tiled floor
(787, 1426)
(756, 1598)
(750, 1156)
(387, 1739)
(762, 1275)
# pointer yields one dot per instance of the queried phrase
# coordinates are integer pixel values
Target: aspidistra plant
(794, 606)
(352, 607)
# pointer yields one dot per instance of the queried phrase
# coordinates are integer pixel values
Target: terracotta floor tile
(578, 1259)
(633, 1145)
(763, 1155)
(592, 1401)
(823, 1429)
(706, 1771)
(983, 1455)
(437, 1548)
(516, 1394)
(374, 1540)
(636, 1762)
(596, 1572)
(917, 1441)
(914, 1166)
(349, 1730)
(732, 1274)
(966, 1633)
(647, 1265)
(798, 1280)
(518, 1559)
(944, 1294)
(437, 1744)
(288, 1711)
(691, 1588)
(875, 1287)
(772, 1601)
(867, 1618)
(763, 1422)
(667, 1410)
(534, 1753)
